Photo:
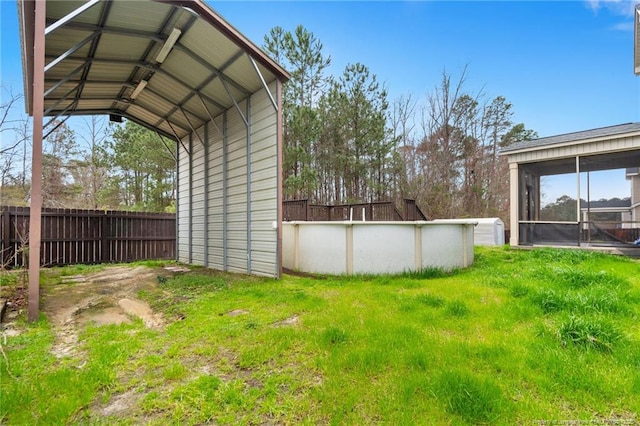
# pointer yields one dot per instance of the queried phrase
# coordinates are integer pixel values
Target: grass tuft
(334, 336)
(588, 333)
(457, 308)
(519, 290)
(581, 278)
(428, 273)
(430, 300)
(475, 399)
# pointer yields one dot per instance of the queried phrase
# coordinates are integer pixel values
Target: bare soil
(105, 297)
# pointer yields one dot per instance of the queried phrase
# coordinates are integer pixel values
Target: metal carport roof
(169, 65)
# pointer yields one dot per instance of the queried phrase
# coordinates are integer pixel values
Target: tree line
(99, 165)
(343, 142)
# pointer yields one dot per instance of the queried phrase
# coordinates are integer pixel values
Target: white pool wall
(377, 247)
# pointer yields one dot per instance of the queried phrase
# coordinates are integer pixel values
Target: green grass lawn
(522, 337)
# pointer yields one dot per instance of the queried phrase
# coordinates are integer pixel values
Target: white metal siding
(219, 240)
(197, 199)
(183, 208)
(264, 184)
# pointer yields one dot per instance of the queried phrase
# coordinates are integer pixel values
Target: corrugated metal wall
(228, 191)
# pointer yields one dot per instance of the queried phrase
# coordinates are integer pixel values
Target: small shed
(489, 231)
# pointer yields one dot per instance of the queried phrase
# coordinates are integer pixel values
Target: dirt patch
(105, 297)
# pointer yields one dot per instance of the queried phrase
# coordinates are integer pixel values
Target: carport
(607, 148)
(178, 68)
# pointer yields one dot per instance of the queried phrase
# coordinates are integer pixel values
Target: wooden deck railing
(380, 211)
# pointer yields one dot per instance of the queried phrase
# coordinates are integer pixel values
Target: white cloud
(619, 7)
(622, 26)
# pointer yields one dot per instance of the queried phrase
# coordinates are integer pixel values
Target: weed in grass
(591, 333)
(496, 282)
(430, 300)
(457, 308)
(600, 300)
(9, 278)
(572, 257)
(174, 371)
(597, 299)
(428, 273)
(334, 336)
(635, 387)
(580, 278)
(475, 399)
(519, 290)
(550, 301)
(418, 360)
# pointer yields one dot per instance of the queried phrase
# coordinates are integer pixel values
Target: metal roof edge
(206, 12)
(26, 22)
(516, 150)
(636, 37)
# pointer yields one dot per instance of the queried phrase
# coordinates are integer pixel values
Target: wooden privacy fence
(380, 211)
(71, 236)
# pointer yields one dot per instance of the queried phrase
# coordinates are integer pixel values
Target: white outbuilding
(489, 231)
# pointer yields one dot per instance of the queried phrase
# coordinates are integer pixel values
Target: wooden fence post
(6, 235)
(104, 238)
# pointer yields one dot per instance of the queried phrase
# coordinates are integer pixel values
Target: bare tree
(90, 172)
(15, 135)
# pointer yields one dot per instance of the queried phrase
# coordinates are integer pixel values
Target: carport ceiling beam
(60, 123)
(178, 137)
(52, 108)
(101, 82)
(66, 19)
(114, 61)
(165, 145)
(198, 90)
(215, 70)
(94, 45)
(246, 122)
(154, 36)
(193, 130)
(174, 109)
(59, 101)
(206, 109)
(64, 111)
(264, 83)
(65, 79)
(71, 51)
(130, 32)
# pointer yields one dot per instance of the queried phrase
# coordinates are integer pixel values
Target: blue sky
(564, 65)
